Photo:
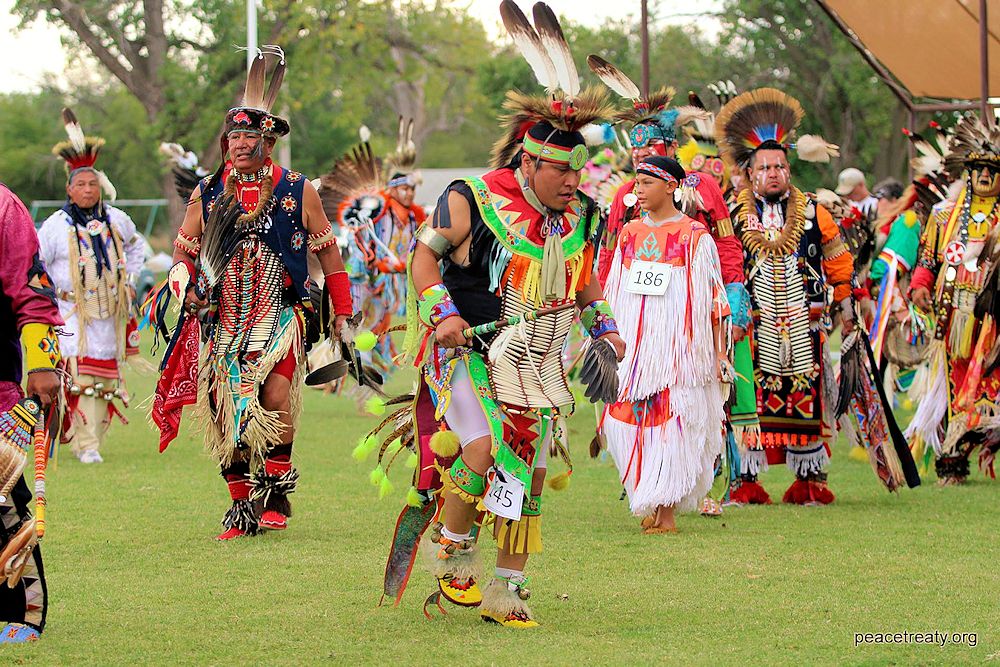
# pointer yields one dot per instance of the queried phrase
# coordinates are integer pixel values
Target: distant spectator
(887, 192)
(851, 185)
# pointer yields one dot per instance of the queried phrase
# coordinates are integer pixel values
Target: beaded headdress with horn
(80, 152)
(563, 111)
(765, 118)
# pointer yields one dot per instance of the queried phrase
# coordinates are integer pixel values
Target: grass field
(135, 578)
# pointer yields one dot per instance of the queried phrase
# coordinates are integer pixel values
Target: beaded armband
(188, 244)
(322, 239)
(739, 304)
(435, 305)
(598, 319)
(41, 346)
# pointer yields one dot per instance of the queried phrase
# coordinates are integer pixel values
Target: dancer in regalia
(956, 281)
(248, 226)
(92, 253)
(29, 317)
(665, 431)
(514, 244)
(795, 261)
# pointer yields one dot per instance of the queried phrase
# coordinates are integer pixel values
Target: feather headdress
(565, 107)
(253, 114)
(973, 141)
(80, 151)
(765, 115)
(648, 110)
(400, 163)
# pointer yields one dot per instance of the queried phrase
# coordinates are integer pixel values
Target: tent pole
(984, 64)
(909, 144)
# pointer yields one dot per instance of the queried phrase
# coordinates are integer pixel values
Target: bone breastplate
(784, 344)
(530, 372)
(250, 298)
(100, 292)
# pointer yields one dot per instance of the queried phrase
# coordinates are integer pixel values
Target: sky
(29, 55)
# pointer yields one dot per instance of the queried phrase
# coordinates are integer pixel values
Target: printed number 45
(503, 496)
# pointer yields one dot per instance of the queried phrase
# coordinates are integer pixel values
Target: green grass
(134, 576)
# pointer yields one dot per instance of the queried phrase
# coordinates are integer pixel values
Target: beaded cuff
(41, 345)
(435, 305)
(466, 479)
(598, 319)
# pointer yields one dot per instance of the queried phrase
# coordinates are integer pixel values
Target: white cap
(849, 179)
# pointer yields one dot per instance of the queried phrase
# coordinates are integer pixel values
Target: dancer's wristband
(598, 319)
(339, 287)
(434, 305)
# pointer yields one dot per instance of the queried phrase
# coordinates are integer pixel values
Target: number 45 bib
(504, 495)
(649, 278)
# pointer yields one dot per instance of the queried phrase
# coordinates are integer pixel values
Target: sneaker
(91, 456)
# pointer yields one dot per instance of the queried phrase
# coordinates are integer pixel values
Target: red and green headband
(576, 157)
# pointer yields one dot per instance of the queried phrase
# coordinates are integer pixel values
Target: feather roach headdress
(401, 164)
(973, 142)
(648, 118)
(764, 118)
(80, 152)
(254, 112)
(547, 127)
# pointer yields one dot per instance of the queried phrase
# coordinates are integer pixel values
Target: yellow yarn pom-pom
(559, 482)
(384, 488)
(445, 443)
(413, 498)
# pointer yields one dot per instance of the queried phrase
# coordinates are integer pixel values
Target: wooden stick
(529, 316)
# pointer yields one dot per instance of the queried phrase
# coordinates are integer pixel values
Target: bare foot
(663, 522)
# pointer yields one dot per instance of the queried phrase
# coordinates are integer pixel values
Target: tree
(791, 45)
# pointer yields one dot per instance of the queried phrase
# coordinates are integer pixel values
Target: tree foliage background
(145, 72)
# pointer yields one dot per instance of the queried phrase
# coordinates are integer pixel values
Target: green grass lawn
(135, 577)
